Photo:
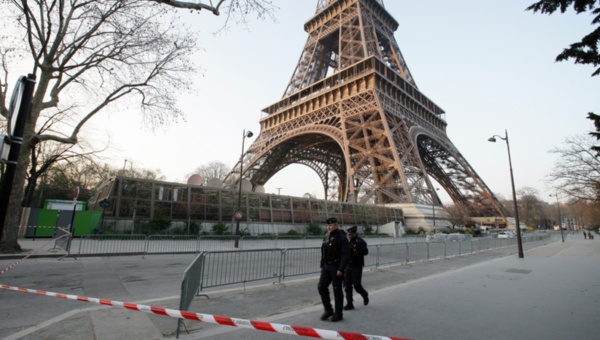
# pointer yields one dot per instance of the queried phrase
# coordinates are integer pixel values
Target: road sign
(104, 203)
(238, 215)
(75, 193)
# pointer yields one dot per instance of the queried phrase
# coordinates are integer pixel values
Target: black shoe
(349, 306)
(366, 300)
(337, 317)
(326, 315)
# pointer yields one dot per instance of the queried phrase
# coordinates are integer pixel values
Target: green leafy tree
(584, 51)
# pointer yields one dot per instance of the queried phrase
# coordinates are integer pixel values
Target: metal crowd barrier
(227, 267)
(113, 244)
(189, 286)
(173, 244)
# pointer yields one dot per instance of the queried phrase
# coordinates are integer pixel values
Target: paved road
(553, 293)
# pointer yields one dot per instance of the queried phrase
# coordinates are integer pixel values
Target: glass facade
(132, 198)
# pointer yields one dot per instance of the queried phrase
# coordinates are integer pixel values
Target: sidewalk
(553, 293)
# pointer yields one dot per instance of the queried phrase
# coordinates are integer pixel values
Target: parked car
(455, 237)
(436, 238)
(504, 234)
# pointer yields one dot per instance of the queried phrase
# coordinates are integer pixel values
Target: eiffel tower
(353, 113)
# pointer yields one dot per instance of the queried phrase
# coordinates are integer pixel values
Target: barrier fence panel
(484, 244)
(113, 244)
(289, 242)
(437, 250)
(64, 242)
(219, 268)
(313, 241)
(301, 261)
(189, 286)
(170, 244)
(216, 242)
(258, 242)
(466, 247)
(452, 248)
(240, 266)
(417, 251)
(388, 254)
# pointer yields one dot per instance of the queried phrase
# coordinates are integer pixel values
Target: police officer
(353, 274)
(334, 258)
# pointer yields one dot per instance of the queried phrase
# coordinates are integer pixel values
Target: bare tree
(576, 173)
(46, 154)
(215, 169)
(237, 10)
(458, 215)
(530, 206)
(88, 57)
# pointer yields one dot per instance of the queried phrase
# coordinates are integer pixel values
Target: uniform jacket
(335, 249)
(358, 250)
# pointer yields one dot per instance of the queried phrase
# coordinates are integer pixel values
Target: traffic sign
(238, 215)
(104, 203)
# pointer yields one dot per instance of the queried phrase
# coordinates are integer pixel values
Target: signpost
(18, 113)
(72, 225)
(104, 204)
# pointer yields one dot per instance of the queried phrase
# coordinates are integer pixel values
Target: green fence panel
(46, 223)
(86, 222)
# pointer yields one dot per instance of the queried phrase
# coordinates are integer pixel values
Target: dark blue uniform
(353, 274)
(334, 258)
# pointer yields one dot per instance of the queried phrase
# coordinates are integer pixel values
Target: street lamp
(559, 218)
(433, 195)
(238, 214)
(514, 194)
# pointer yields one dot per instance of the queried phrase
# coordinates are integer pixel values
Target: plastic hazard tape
(33, 252)
(219, 320)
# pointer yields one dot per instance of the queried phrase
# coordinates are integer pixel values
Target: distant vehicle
(436, 238)
(504, 234)
(455, 237)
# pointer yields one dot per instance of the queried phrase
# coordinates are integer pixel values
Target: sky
(489, 64)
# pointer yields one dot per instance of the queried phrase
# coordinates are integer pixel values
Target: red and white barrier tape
(35, 251)
(219, 320)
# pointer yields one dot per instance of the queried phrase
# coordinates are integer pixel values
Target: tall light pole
(514, 193)
(433, 195)
(238, 213)
(559, 218)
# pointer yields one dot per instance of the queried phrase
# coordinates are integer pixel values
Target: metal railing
(133, 244)
(220, 268)
(229, 267)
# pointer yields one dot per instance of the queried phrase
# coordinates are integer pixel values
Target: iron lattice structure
(353, 113)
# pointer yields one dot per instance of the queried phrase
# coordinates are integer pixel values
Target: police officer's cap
(353, 229)
(331, 220)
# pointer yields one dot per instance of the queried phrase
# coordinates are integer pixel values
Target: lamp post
(559, 218)
(433, 206)
(238, 213)
(514, 194)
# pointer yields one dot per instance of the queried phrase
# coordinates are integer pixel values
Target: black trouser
(329, 276)
(353, 277)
